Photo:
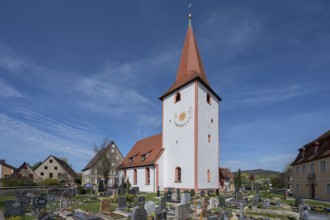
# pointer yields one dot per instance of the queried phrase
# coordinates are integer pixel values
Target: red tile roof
(150, 148)
(306, 153)
(191, 67)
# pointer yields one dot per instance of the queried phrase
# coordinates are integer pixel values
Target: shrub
(51, 182)
(17, 181)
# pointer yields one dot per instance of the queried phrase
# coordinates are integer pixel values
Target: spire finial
(189, 17)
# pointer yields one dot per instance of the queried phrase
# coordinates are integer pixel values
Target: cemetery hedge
(17, 181)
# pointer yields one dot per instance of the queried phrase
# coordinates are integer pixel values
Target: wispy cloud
(256, 96)
(8, 91)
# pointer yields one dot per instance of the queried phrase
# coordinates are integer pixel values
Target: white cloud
(8, 91)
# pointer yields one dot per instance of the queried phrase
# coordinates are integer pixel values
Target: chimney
(2, 162)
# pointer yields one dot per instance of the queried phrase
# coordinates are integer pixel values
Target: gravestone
(170, 190)
(266, 203)
(213, 217)
(105, 205)
(62, 183)
(161, 215)
(24, 201)
(141, 201)
(122, 190)
(178, 193)
(209, 192)
(217, 192)
(182, 211)
(150, 207)
(39, 203)
(202, 193)
(122, 203)
(158, 192)
(256, 199)
(13, 208)
(168, 196)
(66, 194)
(174, 197)
(162, 204)
(136, 189)
(139, 214)
(132, 191)
(64, 203)
(214, 203)
(185, 198)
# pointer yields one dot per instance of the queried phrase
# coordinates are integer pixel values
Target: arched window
(209, 138)
(178, 174)
(147, 176)
(208, 98)
(177, 97)
(208, 176)
(134, 177)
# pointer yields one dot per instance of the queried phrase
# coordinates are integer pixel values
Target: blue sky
(73, 73)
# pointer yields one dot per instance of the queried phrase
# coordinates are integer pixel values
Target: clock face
(182, 118)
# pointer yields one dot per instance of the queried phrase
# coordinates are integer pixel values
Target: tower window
(134, 177)
(209, 138)
(177, 97)
(208, 98)
(178, 175)
(208, 176)
(147, 176)
(211, 120)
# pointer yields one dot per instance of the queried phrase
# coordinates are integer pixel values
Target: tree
(36, 165)
(282, 179)
(238, 180)
(251, 178)
(106, 160)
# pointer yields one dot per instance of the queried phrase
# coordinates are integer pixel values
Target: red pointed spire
(191, 66)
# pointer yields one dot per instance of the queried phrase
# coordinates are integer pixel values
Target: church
(185, 155)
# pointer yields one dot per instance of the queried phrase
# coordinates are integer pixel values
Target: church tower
(190, 133)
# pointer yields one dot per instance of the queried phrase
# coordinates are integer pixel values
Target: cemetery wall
(13, 191)
(208, 147)
(178, 138)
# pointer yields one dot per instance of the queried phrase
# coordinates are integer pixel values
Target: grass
(88, 207)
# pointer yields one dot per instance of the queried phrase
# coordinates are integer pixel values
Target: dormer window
(177, 97)
(303, 151)
(316, 146)
(208, 98)
(131, 159)
(144, 156)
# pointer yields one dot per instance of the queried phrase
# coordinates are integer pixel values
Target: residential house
(226, 179)
(26, 171)
(5, 169)
(311, 169)
(185, 155)
(55, 168)
(91, 175)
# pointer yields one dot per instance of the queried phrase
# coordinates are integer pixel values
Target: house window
(208, 98)
(50, 161)
(312, 168)
(208, 176)
(303, 169)
(322, 166)
(131, 159)
(178, 175)
(328, 189)
(31, 176)
(145, 156)
(297, 171)
(209, 138)
(45, 167)
(55, 168)
(50, 175)
(147, 176)
(134, 177)
(177, 97)
(42, 173)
